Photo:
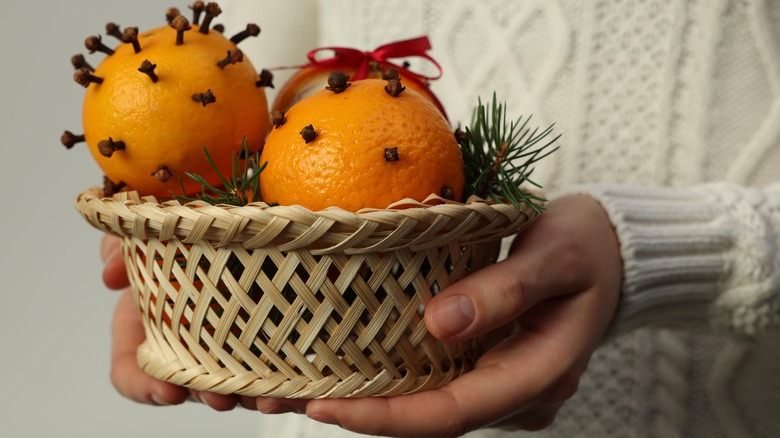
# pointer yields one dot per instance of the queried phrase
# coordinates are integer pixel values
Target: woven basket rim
(406, 224)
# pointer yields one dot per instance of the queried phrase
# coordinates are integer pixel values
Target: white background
(55, 312)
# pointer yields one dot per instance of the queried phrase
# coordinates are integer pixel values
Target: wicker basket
(286, 302)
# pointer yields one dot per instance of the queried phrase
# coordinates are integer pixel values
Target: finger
(531, 370)
(481, 302)
(114, 270)
(218, 402)
(475, 400)
(126, 376)
(247, 402)
(271, 405)
(108, 245)
(559, 255)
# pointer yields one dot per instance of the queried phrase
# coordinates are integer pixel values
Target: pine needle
(499, 156)
(244, 177)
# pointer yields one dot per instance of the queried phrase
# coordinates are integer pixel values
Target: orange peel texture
(364, 149)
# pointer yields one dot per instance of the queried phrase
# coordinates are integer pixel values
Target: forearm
(706, 256)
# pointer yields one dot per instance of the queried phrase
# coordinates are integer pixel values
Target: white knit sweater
(670, 115)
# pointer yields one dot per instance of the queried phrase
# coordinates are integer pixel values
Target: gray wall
(55, 311)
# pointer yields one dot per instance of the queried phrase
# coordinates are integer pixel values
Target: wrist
(672, 243)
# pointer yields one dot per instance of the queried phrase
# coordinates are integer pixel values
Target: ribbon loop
(349, 57)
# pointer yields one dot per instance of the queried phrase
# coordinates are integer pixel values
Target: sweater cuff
(673, 244)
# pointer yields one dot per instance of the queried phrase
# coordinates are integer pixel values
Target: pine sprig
(499, 156)
(245, 173)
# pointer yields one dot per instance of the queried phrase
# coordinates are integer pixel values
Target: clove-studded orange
(308, 81)
(160, 97)
(364, 144)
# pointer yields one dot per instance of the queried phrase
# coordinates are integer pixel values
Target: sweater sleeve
(701, 257)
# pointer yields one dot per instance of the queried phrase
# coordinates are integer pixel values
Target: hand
(544, 310)
(128, 333)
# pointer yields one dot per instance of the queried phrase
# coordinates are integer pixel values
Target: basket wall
(296, 324)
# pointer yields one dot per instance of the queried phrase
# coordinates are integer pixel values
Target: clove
(108, 147)
(162, 174)
(460, 136)
(309, 134)
(181, 25)
(266, 79)
(79, 62)
(130, 36)
(70, 139)
(394, 87)
(114, 30)
(212, 11)
(171, 14)
(218, 28)
(204, 98)
(110, 188)
(148, 68)
(391, 154)
(233, 56)
(391, 73)
(95, 44)
(197, 9)
(337, 82)
(251, 30)
(447, 193)
(84, 77)
(277, 118)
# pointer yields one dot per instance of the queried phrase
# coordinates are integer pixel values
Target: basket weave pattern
(286, 302)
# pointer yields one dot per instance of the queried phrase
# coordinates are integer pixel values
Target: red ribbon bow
(345, 56)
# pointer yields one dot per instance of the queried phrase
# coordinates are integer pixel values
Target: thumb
(485, 300)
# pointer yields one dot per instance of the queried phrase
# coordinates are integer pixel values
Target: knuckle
(509, 289)
(565, 388)
(570, 263)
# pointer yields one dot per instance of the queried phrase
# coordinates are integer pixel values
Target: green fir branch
(244, 177)
(499, 156)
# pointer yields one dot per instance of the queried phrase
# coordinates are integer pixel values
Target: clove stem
(95, 44)
(197, 9)
(251, 30)
(108, 147)
(233, 56)
(130, 36)
(181, 25)
(212, 11)
(79, 62)
(70, 139)
(148, 68)
(113, 30)
(84, 77)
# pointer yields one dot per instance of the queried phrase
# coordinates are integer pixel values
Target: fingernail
(158, 400)
(453, 315)
(110, 258)
(278, 408)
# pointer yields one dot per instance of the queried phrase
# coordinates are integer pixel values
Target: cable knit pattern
(647, 93)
